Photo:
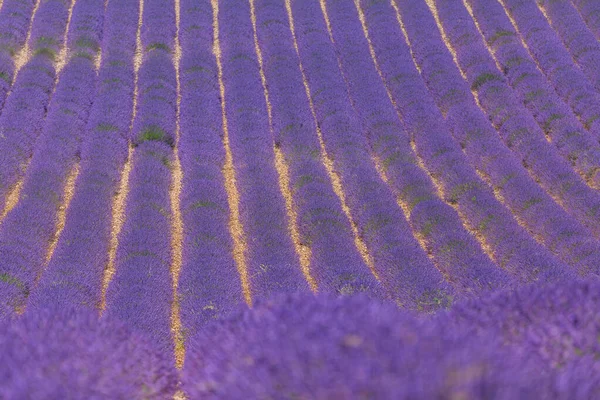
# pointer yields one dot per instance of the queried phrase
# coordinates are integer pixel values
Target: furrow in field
(303, 252)
(209, 284)
(327, 161)
(76, 272)
(233, 196)
(322, 227)
(141, 291)
(24, 53)
(175, 197)
(61, 214)
(16, 18)
(406, 273)
(118, 215)
(271, 259)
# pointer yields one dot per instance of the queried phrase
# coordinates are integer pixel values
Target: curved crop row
(556, 62)
(590, 12)
(576, 37)
(335, 262)
(454, 250)
(140, 293)
(524, 137)
(86, 235)
(556, 119)
(513, 249)
(209, 284)
(15, 23)
(25, 109)
(272, 263)
(24, 252)
(403, 267)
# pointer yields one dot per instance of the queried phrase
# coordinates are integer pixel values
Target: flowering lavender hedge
(513, 248)
(209, 284)
(57, 353)
(521, 133)
(335, 262)
(454, 250)
(75, 272)
(557, 120)
(30, 95)
(352, 348)
(556, 324)
(556, 62)
(272, 263)
(405, 271)
(15, 21)
(141, 293)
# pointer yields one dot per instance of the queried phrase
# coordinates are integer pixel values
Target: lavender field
(300, 199)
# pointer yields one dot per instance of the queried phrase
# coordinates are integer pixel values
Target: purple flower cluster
(66, 354)
(75, 272)
(403, 267)
(42, 194)
(455, 251)
(351, 348)
(513, 248)
(140, 293)
(525, 138)
(556, 63)
(557, 120)
(15, 21)
(209, 284)
(272, 263)
(24, 111)
(335, 262)
(556, 324)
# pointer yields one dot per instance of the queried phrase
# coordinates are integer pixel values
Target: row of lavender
(336, 99)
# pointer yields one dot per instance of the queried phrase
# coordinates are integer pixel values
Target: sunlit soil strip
(177, 221)
(402, 204)
(406, 210)
(434, 12)
(498, 194)
(12, 199)
(117, 220)
(62, 56)
(303, 251)
(118, 206)
(335, 179)
(61, 215)
(233, 196)
(470, 11)
(23, 56)
(403, 28)
(485, 246)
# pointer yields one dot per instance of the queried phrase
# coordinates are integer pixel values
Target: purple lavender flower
(350, 347)
(67, 354)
